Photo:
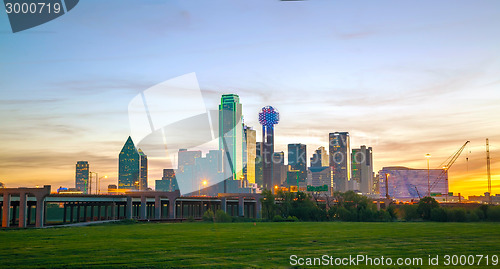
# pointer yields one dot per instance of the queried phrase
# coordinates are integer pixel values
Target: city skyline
(403, 78)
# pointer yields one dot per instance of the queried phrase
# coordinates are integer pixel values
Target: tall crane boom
(446, 165)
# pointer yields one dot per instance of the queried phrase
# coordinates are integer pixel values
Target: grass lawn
(240, 245)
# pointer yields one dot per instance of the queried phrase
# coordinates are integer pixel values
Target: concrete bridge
(17, 205)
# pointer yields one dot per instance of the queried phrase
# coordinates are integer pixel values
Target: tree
(285, 203)
(425, 206)
(268, 204)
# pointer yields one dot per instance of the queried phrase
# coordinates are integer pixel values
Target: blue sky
(407, 77)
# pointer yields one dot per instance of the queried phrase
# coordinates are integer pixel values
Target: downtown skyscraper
(340, 159)
(249, 153)
(320, 158)
(362, 168)
(82, 176)
(143, 173)
(131, 170)
(168, 182)
(231, 135)
(297, 160)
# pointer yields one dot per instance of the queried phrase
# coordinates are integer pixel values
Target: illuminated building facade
(320, 158)
(362, 168)
(129, 166)
(82, 176)
(231, 135)
(249, 154)
(340, 159)
(406, 183)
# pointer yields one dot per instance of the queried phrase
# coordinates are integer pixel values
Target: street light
(204, 182)
(428, 156)
(99, 183)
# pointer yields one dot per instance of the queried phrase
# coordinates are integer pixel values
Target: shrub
(484, 208)
(480, 213)
(221, 216)
(208, 215)
(392, 212)
(472, 216)
(382, 215)
(438, 214)
(456, 215)
(292, 218)
(344, 214)
(493, 213)
(365, 214)
(278, 218)
(410, 212)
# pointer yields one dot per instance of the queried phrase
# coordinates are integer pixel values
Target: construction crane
(446, 165)
(488, 166)
(418, 193)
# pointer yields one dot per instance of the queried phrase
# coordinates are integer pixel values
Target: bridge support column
(223, 204)
(40, 211)
(157, 207)
(201, 209)
(71, 205)
(106, 211)
(91, 212)
(22, 210)
(14, 213)
(29, 215)
(85, 212)
(258, 208)
(171, 208)
(143, 207)
(6, 210)
(241, 207)
(129, 207)
(78, 219)
(378, 205)
(113, 211)
(64, 213)
(98, 211)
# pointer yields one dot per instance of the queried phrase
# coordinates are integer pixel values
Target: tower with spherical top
(268, 117)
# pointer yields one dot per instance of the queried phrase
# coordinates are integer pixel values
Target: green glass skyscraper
(129, 166)
(231, 135)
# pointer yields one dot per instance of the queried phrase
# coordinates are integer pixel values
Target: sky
(405, 77)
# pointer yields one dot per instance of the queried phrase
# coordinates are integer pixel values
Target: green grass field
(240, 245)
